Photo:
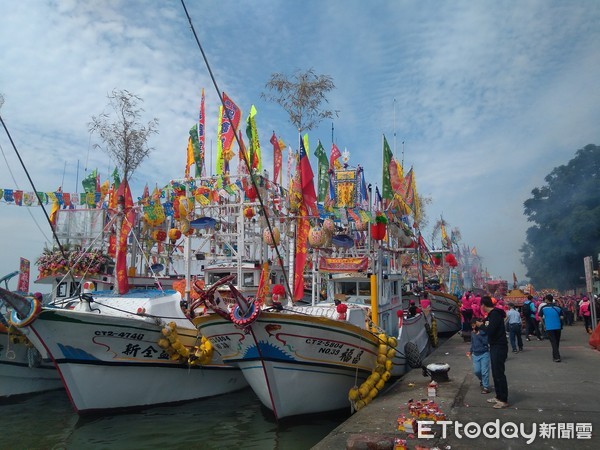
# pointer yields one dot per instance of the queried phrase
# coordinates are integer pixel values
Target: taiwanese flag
(126, 226)
(309, 196)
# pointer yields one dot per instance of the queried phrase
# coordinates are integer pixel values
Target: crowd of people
(487, 322)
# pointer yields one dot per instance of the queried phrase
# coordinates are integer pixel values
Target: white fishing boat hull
(23, 371)
(305, 360)
(446, 310)
(296, 364)
(109, 358)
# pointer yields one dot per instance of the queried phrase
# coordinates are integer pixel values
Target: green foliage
(566, 217)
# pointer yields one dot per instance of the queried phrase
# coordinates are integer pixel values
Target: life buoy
(35, 309)
(248, 318)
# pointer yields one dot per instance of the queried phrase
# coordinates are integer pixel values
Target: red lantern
(251, 193)
(249, 212)
(451, 260)
(174, 234)
(160, 235)
(378, 231)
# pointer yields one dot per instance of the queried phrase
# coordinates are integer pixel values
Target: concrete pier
(557, 405)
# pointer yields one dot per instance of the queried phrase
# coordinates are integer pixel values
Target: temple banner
(343, 264)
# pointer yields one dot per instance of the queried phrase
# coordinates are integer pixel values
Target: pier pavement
(558, 404)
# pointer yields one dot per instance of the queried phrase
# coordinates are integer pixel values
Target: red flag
(301, 245)
(126, 226)
(277, 158)
(333, 158)
(309, 196)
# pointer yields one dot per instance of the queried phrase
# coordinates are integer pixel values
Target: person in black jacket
(493, 326)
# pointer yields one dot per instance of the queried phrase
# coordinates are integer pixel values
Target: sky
(482, 99)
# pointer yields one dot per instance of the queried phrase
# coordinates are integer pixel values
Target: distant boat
(23, 369)
(446, 310)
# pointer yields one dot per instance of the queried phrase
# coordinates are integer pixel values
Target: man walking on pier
(496, 332)
(552, 315)
(514, 328)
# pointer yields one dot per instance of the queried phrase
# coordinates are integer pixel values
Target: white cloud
(489, 97)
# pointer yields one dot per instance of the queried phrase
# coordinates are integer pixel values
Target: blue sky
(488, 97)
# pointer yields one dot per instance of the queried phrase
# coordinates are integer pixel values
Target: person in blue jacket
(553, 317)
(480, 356)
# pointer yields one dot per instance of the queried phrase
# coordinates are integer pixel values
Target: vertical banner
(23, 283)
(126, 227)
(301, 248)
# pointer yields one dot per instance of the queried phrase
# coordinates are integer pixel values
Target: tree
(301, 95)
(566, 214)
(125, 138)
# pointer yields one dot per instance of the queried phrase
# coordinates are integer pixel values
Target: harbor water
(234, 421)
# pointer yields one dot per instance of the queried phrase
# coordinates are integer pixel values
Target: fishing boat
(121, 348)
(110, 353)
(445, 308)
(23, 369)
(339, 349)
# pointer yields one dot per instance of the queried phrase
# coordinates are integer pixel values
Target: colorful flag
(334, 157)
(309, 197)
(244, 160)
(407, 189)
(23, 281)
(363, 194)
(126, 227)
(254, 144)
(230, 122)
(323, 172)
(302, 230)
(220, 162)
(378, 199)
(263, 283)
(89, 182)
(445, 241)
(116, 178)
(416, 203)
(386, 187)
(194, 153)
(201, 138)
(278, 147)
(474, 251)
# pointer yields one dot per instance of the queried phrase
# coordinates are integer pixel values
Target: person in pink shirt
(467, 315)
(476, 307)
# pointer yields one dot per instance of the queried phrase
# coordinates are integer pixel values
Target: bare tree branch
(124, 137)
(301, 95)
